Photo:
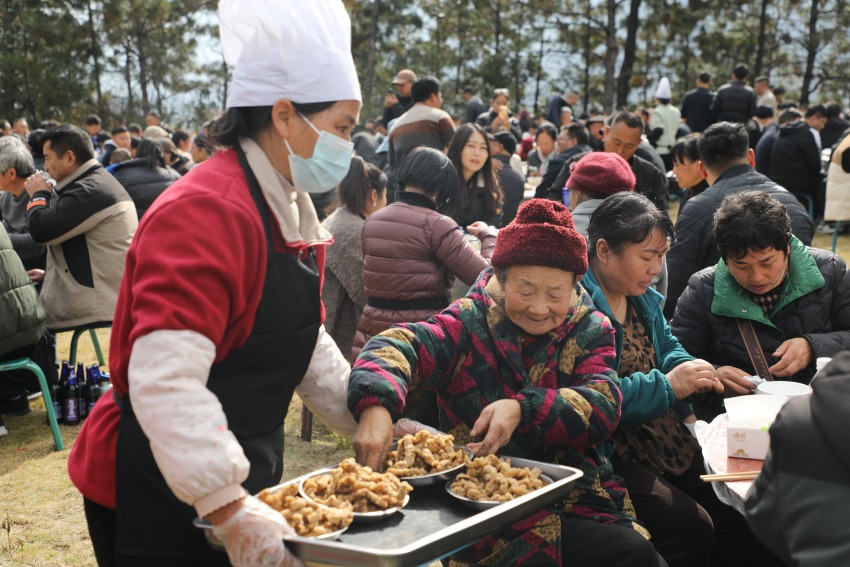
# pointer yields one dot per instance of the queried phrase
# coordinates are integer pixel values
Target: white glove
(406, 426)
(253, 536)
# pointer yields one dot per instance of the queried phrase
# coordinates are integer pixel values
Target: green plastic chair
(26, 363)
(810, 203)
(79, 332)
(835, 234)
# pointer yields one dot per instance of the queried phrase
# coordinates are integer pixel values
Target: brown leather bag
(751, 341)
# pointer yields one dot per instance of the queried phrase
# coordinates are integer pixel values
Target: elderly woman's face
(537, 298)
(631, 270)
(760, 270)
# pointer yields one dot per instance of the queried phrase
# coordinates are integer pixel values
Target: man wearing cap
(521, 365)
(400, 102)
(596, 128)
(502, 148)
(425, 124)
(219, 316)
(667, 118)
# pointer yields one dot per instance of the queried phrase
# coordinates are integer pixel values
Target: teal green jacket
(646, 396)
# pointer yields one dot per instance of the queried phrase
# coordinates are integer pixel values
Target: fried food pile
(307, 518)
(423, 453)
(358, 487)
(494, 479)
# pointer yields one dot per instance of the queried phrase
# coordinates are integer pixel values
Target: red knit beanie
(541, 234)
(601, 174)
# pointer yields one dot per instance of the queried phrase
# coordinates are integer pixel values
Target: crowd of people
(515, 281)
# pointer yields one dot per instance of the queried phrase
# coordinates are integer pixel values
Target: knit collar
(416, 199)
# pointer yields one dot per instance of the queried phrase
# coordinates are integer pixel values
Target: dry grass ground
(41, 515)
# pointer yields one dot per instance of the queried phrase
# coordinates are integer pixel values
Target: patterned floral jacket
(471, 354)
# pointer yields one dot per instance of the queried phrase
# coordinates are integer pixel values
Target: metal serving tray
(431, 526)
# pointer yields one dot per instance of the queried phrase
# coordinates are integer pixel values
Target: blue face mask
(327, 166)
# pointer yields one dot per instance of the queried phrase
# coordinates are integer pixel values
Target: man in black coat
(502, 147)
(622, 136)
(835, 127)
(795, 299)
(734, 101)
(398, 104)
(573, 140)
(795, 158)
(726, 161)
(798, 504)
(696, 106)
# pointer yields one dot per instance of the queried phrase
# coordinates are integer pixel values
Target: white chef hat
(294, 49)
(663, 90)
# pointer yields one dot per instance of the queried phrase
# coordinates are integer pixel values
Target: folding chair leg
(48, 404)
(835, 234)
(96, 344)
(75, 338)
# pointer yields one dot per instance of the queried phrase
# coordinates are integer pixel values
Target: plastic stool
(26, 363)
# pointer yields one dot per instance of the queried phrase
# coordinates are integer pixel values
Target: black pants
(589, 543)
(690, 526)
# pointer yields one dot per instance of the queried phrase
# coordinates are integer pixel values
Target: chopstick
(729, 477)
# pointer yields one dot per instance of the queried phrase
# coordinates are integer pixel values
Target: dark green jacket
(814, 304)
(21, 313)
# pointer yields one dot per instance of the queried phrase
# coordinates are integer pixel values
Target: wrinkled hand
(497, 423)
(734, 382)
(406, 426)
(390, 100)
(793, 355)
(36, 183)
(477, 227)
(373, 437)
(36, 275)
(253, 536)
(497, 165)
(694, 376)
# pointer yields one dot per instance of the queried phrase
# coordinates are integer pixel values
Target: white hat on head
(663, 90)
(294, 49)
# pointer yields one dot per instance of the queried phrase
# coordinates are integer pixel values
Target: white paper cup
(788, 389)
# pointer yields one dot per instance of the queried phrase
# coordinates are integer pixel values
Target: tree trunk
(587, 53)
(757, 69)
(143, 71)
(629, 54)
(812, 45)
(128, 78)
(95, 54)
(610, 56)
(539, 70)
(460, 42)
(373, 47)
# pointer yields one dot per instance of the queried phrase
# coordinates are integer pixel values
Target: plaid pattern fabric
(767, 301)
(471, 354)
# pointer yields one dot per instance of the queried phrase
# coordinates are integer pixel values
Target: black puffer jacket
(795, 159)
(694, 248)
(814, 304)
(734, 102)
(143, 183)
(798, 504)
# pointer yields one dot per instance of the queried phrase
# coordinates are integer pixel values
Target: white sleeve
(200, 459)
(325, 386)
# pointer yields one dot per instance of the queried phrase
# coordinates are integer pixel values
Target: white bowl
(788, 389)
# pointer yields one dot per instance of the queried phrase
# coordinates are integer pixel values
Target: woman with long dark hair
(146, 176)
(362, 192)
(480, 197)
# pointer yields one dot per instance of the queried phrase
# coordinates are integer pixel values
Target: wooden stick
(730, 477)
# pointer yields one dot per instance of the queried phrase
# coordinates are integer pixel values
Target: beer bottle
(82, 388)
(56, 392)
(91, 391)
(71, 404)
(102, 379)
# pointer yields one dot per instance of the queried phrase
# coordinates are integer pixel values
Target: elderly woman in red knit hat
(521, 365)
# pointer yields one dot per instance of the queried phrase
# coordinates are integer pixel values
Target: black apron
(254, 384)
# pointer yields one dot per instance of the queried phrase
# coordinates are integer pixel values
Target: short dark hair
(469, 89)
(355, 187)
(626, 218)
(630, 119)
(119, 130)
(424, 88)
(66, 138)
(180, 136)
(133, 127)
(817, 110)
(577, 132)
(750, 220)
(764, 112)
(92, 119)
(833, 109)
(248, 121)
(741, 71)
(431, 171)
(762, 79)
(547, 128)
(779, 91)
(686, 147)
(36, 143)
(790, 115)
(723, 144)
(704, 77)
